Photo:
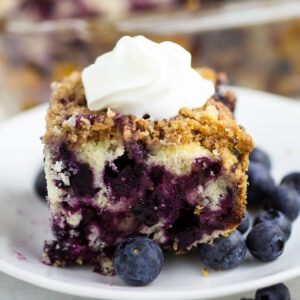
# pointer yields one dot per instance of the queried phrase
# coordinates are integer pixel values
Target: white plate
(274, 123)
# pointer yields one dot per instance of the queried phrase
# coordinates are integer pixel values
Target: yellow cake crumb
(198, 210)
(205, 272)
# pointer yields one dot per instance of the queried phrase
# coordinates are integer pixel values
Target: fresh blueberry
(292, 180)
(261, 184)
(275, 292)
(286, 200)
(40, 184)
(244, 226)
(226, 253)
(138, 260)
(260, 156)
(266, 241)
(278, 218)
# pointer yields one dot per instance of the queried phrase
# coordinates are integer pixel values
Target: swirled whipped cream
(141, 77)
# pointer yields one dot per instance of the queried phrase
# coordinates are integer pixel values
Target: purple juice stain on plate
(20, 212)
(20, 256)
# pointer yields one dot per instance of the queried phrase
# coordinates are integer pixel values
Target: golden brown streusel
(69, 119)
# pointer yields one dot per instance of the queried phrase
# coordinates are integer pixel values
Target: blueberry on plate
(261, 184)
(260, 156)
(286, 200)
(292, 180)
(244, 226)
(275, 292)
(138, 260)
(278, 218)
(225, 253)
(266, 241)
(40, 184)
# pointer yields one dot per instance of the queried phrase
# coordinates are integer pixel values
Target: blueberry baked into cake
(140, 144)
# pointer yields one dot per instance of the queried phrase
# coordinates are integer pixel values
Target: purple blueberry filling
(145, 212)
(147, 194)
(81, 176)
(228, 100)
(126, 178)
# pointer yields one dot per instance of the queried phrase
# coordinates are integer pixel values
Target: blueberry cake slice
(179, 181)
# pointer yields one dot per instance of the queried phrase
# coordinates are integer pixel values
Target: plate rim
(91, 292)
(108, 293)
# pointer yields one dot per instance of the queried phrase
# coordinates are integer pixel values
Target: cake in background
(40, 10)
(45, 40)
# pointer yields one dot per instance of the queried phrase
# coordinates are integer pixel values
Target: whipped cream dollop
(141, 77)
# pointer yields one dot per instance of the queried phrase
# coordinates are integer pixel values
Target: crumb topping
(70, 120)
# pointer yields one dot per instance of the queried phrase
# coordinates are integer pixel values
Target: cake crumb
(198, 210)
(79, 261)
(205, 272)
(110, 113)
(175, 245)
(58, 263)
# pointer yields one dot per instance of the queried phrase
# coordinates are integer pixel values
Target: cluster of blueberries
(281, 204)
(271, 228)
(138, 260)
